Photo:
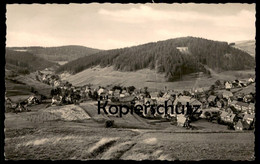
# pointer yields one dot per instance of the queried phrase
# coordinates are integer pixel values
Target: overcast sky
(108, 26)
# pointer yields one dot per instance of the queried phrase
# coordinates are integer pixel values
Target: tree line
(164, 57)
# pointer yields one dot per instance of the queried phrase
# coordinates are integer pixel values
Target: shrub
(109, 123)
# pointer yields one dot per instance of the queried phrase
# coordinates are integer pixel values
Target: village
(230, 103)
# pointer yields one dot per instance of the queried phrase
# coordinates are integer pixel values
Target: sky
(108, 26)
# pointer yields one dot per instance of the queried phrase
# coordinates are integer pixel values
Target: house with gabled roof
(227, 117)
(251, 108)
(251, 80)
(243, 83)
(249, 118)
(239, 126)
(233, 103)
(228, 85)
(241, 106)
(223, 115)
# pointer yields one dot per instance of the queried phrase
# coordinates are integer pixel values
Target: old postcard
(130, 82)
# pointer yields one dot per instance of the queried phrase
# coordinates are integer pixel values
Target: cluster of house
(50, 79)
(235, 108)
(232, 107)
(238, 83)
(22, 106)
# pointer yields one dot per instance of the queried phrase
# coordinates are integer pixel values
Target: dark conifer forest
(164, 57)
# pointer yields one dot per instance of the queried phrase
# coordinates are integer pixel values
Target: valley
(70, 128)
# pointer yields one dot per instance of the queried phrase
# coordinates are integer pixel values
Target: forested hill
(174, 57)
(62, 53)
(25, 62)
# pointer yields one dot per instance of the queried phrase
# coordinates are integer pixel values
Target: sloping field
(16, 89)
(248, 46)
(28, 80)
(68, 112)
(146, 77)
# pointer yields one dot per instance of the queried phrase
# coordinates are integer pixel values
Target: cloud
(144, 14)
(108, 26)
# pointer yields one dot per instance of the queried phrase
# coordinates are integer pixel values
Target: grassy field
(52, 133)
(16, 89)
(248, 46)
(154, 81)
(20, 87)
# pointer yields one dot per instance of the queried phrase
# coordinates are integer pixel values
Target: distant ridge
(174, 57)
(60, 53)
(25, 62)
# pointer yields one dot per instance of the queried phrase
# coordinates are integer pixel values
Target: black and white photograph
(112, 81)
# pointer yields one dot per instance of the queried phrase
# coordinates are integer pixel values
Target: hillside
(247, 46)
(107, 76)
(175, 58)
(25, 62)
(62, 53)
